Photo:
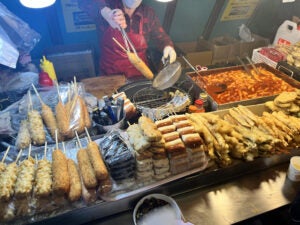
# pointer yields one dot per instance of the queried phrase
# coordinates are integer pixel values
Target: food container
(294, 169)
(162, 197)
(253, 101)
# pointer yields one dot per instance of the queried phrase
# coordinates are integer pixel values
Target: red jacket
(143, 28)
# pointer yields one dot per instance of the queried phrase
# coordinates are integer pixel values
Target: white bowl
(168, 199)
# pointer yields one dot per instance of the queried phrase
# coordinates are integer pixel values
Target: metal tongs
(245, 66)
(127, 41)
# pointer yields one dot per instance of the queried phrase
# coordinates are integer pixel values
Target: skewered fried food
(75, 183)
(49, 120)
(85, 113)
(25, 178)
(48, 116)
(140, 65)
(62, 118)
(61, 178)
(7, 181)
(86, 169)
(23, 138)
(97, 161)
(43, 178)
(36, 127)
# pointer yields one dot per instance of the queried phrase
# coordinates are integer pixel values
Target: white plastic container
(287, 33)
(168, 199)
(294, 169)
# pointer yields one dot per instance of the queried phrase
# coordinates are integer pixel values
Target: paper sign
(75, 19)
(239, 9)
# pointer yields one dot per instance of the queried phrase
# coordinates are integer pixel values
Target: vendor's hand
(169, 53)
(115, 17)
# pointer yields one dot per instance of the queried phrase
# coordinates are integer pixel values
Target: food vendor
(141, 25)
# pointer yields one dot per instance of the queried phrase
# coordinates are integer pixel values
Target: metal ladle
(215, 88)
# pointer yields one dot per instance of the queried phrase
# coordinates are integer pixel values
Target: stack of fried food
(183, 144)
(149, 145)
(286, 102)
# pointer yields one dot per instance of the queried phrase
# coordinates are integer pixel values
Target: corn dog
(86, 169)
(7, 181)
(140, 65)
(62, 119)
(97, 161)
(85, 113)
(75, 183)
(23, 138)
(50, 121)
(25, 178)
(43, 179)
(36, 127)
(61, 178)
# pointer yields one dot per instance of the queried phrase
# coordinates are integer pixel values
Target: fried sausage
(61, 178)
(75, 183)
(97, 161)
(86, 169)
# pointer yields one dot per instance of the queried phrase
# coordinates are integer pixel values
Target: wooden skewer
(78, 140)
(88, 135)
(5, 154)
(64, 149)
(56, 139)
(58, 93)
(30, 101)
(119, 44)
(19, 155)
(37, 94)
(45, 149)
(29, 151)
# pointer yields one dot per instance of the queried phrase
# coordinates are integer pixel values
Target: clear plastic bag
(19, 32)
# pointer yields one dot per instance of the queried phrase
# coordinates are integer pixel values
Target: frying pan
(168, 76)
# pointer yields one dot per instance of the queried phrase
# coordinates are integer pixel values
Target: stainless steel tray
(216, 106)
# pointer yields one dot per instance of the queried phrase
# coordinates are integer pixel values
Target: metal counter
(229, 202)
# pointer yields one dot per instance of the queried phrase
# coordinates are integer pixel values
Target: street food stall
(191, 143)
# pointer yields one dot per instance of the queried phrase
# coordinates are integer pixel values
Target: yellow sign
(239, 9)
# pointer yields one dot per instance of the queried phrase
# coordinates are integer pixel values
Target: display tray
(217, 106)
(197, 180)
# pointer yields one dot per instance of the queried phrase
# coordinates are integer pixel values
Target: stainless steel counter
(230, 201)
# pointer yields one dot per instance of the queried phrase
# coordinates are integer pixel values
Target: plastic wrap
(19, 32)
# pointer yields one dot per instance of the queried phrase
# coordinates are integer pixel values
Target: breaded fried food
(36, 127)
(43, 178)
(86, 169)
(61, 178)
(75, 183)
(97, 161)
